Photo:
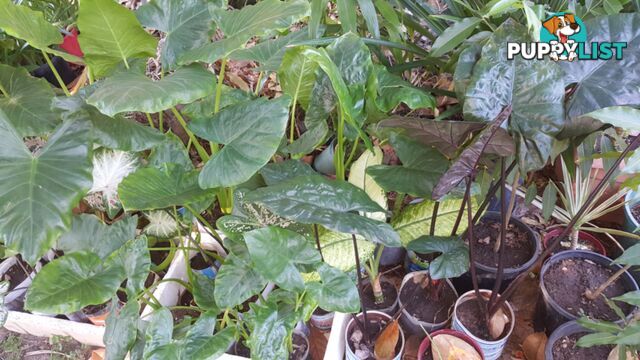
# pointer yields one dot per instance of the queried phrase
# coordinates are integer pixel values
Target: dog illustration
(562, 26)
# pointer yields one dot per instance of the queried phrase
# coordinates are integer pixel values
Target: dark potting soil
(567, 280)
(242, 350)
(198, 262)
(517, 245)
(374, 329)
(185, 300)
(320, 311)
(94, 309)
(565, 349)
(157, 257)
(635, 211)
(15, 275)
(432, 304)
(471, 317)
(390, 296)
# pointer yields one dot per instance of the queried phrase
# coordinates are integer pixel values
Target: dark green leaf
(316, 200)
(269, 53)
(23, 23)
(205, 107)
(159, 330)
(269, 335)
(39, 190)
(604, 83)
(630, 256)
(276, 252)
(632, 297)
(151, 188)
(26, 101)
(203, 290)
(532, 192)
(208, 347)
(453, 260)
(237, 281)
(110, 34)
(120, 331)
(71, 282)
(274, 173)
(136, 262)
(336, 292)
(129, 91)
(172, 151)
(549, 201)
(464, 69)
(297, 75)
(454, 36)
(88, 233)
(393, 90)
(186, 24)
(251, 132)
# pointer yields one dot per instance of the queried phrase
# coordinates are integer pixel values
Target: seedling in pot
(372, 268)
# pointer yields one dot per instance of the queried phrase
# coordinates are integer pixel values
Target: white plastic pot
(491, 349)
(350, 355)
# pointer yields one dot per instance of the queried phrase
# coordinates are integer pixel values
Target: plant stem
(575, 236)
(292, 122)
(55, 73)
(339, 154)
(317, 236)
(467, 195)
(592, 295)
(359, 277)
(592, 196)
(434, 218)
(503, 232)
(204, 221)
(258, 86)
(201, 151)
(472, 254)
(352, 153)
(149, 120)
(216, 104)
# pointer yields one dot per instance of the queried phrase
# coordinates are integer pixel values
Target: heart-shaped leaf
(152, 188)
(88, 233)
(119, 334)
(237, 281)
(269, 53)
(336, 292)
(316, 200)
(452, 260)
(26, 101)
(251, 132)
(23, 23)
(40, 189)
(393, 90)
(297, 75)
(110, 34)
(130, 91)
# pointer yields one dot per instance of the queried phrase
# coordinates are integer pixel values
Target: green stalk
(216, 104)
(201, 151)
(149, 120)
(292, 125)
(353, 152)
(55, 73)
(339, 154)
(225, 196)
(205, 223)
(258, 87)
(160, 121)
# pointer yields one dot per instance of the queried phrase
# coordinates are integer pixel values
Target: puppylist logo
(563, 37)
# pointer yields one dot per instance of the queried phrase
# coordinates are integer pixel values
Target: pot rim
(565, 329)
(470, 295)
(379, 313)
(534, 237)
(579, 254)
(629, 201)
(581, 235)
(426, 342)
(406, 278)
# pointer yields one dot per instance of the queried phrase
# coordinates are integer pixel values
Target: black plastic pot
(565, 329)
(555, 314)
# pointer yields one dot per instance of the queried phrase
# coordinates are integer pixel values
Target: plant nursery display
(314, 179)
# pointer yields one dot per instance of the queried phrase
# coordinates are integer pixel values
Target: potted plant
(445, 343)
(378, 293)
(575, 282)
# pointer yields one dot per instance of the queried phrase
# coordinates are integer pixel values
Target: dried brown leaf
(385, 348)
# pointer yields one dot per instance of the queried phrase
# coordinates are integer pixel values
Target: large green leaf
(604, 83)
(297, 75)
(135, 260)
(203, 290)
(110, 34)
(317, 200)
(159, 330)
(40, 189)
(624, 117)
(237, 281)
(358, 176)
(199, 345)
(205, 107)
(119, 334)
(153, 188)
(26, 101)
(464, 69)
(274, 173)
(29, 25)
(532, 89)
(251, 132)
(630, 256)
(632, 297)
(336, 292)
(454, 36)
(88, 233)
(115, 132)
(338, 251)
(415, 220)
(276, 252)
(393, 90)
(421, 168)
(262, 19)
(453, 258)
(71, 282)
(130, 91)
(171, 150)
(268, 338)
(186, 24)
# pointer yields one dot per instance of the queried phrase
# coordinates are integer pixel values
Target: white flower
(109, 168)
(161, 224)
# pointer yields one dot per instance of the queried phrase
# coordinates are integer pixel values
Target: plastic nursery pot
(322, 319)
(97, 314)
(583, 237)
(412, 324)
(389, 310)
(556, 315)
(566, 329)
(305, 351)
(392, 255)
(426, 342)
(487, 274)
(491, 349)
(372, 316)
(413, 262)
(631, 225)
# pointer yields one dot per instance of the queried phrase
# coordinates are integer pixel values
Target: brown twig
(359, 277)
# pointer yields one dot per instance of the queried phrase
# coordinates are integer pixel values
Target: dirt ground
(14, 346)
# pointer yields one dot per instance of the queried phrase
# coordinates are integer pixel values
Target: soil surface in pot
(567, 280)
(565, 349)
(16, 274)
(198, 262)
(320, 311)
(431, 304)
(517, 244)
(300, 347)
(157, 257)
(390, 295)
(374, 329)
(185, 300)
(469, 314)
(635, 211)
